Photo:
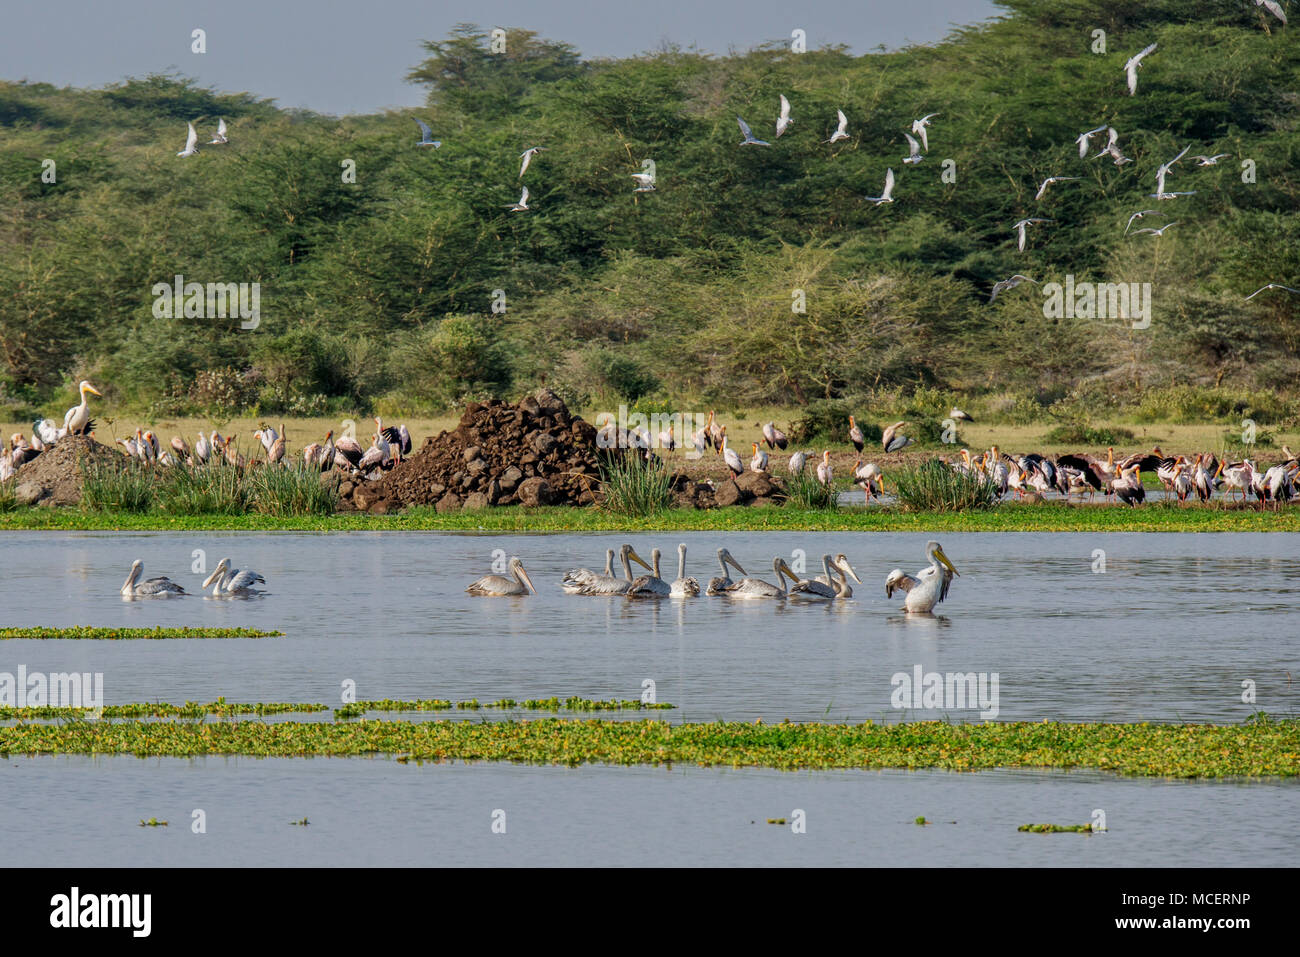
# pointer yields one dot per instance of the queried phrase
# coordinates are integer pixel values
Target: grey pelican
(1131, 68)
(718, 586)
(608, 585)
(76, 421)
(844, 569)
(748, 588)
(652, 585)
(575, 578)
(426, 136)
(231, 581)
(160, 587)
(684, 587)
(809, 589)
(494, 585)
(929, 586)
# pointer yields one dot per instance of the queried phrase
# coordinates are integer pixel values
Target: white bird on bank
(1051, 180)
(220, 136)
(919, 127)
(76, 421)
(1272, 285)
(231, 581)
(522, 205)
(1138, 215)
(749, 139)
(1020, 228)
(527, 157)
(913, 151)
(783, 121)
(825, 471)
(1131, 68)
(1084, 138)
(426, 135)
(929, 586)
(1011, 283)
(841, 131)
(191, 143)
(887, 194)
(160, 587)
(645, 182)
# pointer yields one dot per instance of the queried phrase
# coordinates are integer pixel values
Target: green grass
(216, 489)
(804, 491)
(1007, 517)
(1255, 749)
(121, 634)
(159, 709)
(1056, 828)
(358, 708)
(294, 490)
(934, 487)
(119, 486)
(636, 488)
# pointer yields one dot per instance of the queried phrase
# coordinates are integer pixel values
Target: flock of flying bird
(924, 590)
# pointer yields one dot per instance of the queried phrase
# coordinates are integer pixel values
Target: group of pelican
(225, 581)
(1183, 478)
(924, 590)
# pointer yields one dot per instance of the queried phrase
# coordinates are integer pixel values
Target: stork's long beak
(938, 553)
(639, 560)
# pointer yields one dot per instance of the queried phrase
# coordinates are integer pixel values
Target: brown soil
(54, 476)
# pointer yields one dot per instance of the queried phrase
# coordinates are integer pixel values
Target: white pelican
(1050, 181)
(825, 471)
(1020, 230)
(1131, 68)
(855, 435)
(652, 585)
(160, 587)
(929, 586)
(920, 126)
(841, 131)
(797, 462)
(913, 151)
(645, 182)
(887, 194)
(77, 419)
(527, 157)
(759, 462)
(48, 431)
(221, 137)
(1083, 139)
(607, 584)
(774, 437)
(757, 588)
(809, 589)
(720, 584)
(191, 143)
(520, 206)
(1011, 283)
(749, 136)
(731, 457)
(494, 585)
(683, 587)
(426, 136)
(1272, 285)
(783, 121)
(1202, 160)
(1138, 215)
(892, 441)
(231, 581)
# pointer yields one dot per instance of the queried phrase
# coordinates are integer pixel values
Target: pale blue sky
(344, 56)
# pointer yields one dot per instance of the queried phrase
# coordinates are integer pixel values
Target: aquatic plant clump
(89, 633)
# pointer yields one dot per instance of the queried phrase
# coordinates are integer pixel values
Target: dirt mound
(533, 453)
(54, 476)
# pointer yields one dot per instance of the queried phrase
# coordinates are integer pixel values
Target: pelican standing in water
(609, 585)
(684, 587)
(76, 421)
(929, 586)
(756, 587)
(652, 585)
(160, 587)
(231, 581)
(720, 584)
(575, 578)
(809, 589)
(517, 584)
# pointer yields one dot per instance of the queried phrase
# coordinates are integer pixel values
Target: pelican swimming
(718, 586)
(575, 578)
(929, 586)
(809, 589)
(231, 581)
(160, 587)
(652, 585)
(757, 588)
(517, 584)
(683, 587)
(609, 585)
(76, 421)
(841, 585)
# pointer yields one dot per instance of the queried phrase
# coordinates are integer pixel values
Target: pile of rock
(748, 489)
(532, 453)
(54, 477)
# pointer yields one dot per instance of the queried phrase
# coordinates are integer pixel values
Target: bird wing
(912, 145)
(785, 108)
(889, 184)
(744, 128)
(191, 138)
(844, 122)
(425, 132)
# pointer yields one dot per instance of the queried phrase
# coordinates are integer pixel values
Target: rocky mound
(54, 476)
(533, 453)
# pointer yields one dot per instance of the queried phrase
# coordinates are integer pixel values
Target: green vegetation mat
(130, 634)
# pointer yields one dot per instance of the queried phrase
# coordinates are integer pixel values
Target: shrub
(803, 490)
(114, 486)
(636, 487)
(935, 487)
(827, 420)
(293, 490)
(216, 489)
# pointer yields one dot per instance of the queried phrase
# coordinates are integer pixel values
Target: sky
(344, 56)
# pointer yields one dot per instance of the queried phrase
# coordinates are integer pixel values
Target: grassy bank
(1010, 517)
(1257, 749)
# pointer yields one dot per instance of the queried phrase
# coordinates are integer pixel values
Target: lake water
(1166, 630)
